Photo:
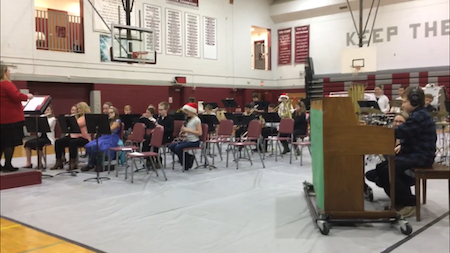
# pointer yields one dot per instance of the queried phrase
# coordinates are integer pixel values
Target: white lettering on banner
(417, 30)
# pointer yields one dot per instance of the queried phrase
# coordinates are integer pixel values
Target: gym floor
(221, 211)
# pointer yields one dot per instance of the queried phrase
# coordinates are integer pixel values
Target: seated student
(43, 139)
(127, 110)
(193, 130)
(167, 122)
(74, 141)
(105, 141)
(417, 149)
(106, 107)
(242, 129)
(300, 122)
(428, 99)
(208, 110)
(150, 123)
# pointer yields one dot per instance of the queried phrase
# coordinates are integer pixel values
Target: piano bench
(437, 171)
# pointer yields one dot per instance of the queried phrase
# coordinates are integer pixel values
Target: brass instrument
(356, 93)
(284, 109)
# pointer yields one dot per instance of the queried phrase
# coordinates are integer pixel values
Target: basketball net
(356, 70)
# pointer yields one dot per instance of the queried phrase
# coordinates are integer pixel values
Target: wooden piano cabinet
(338, 146)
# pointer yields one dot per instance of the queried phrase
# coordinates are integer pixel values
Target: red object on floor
(19, 179)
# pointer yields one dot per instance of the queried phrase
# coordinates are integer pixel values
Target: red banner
(285, 46)
(190, 3)
(301, 44)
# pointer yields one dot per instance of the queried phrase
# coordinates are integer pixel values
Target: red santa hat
(284, 95)
(191, 107)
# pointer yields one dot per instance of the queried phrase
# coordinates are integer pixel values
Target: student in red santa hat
(192, 129)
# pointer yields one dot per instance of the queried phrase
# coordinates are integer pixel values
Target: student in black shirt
(300, 122)
(150, 123)
(428, 99)
(166, 121)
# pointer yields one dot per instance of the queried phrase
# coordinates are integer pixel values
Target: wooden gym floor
(20, 238)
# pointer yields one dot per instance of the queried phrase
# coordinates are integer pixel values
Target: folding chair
(223, 136)
(252, 139)
(136, 138)
(286, 128)
(156, 142)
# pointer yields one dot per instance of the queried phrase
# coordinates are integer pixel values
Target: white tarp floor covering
(250, 210)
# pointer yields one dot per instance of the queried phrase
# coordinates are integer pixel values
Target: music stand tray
(236, 118)
(97, 124)
(38, 125)
(129, 120)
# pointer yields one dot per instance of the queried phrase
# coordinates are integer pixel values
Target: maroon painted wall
(64, 95)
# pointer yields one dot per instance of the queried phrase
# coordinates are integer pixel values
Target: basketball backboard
(132, 44)
(358, 60)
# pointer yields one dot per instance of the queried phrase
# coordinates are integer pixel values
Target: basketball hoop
(356, 70)
(140, 56)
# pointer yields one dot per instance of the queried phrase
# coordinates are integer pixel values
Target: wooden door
(297, 97)
(58, 25)
(260, 55)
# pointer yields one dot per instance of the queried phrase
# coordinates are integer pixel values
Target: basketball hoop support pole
(128, 7)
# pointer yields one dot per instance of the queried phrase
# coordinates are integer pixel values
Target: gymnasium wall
(64, 95)
(413, 34)
(232, 68)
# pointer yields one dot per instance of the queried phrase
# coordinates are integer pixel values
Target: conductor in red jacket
(11, 117)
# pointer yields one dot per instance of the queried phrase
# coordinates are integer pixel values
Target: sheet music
(137, 153)
(34, 103)
(24, 103)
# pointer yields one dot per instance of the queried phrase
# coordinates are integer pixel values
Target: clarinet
(186, 120)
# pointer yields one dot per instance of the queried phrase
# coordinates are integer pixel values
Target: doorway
(58, 25)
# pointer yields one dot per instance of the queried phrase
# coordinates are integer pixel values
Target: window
(59, 25)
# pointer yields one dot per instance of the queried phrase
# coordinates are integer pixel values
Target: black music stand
(271, 117)
(129, 120)
(369, 104)
(68, 125)
(36, 107)
(236, 118)
(229, 103)
(41, 127)
(245, 120)
(178, 116)
(98, 124)
(210, 120)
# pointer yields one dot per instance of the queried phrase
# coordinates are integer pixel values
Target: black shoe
(87, 168)
(286, 151)
(9, 168)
